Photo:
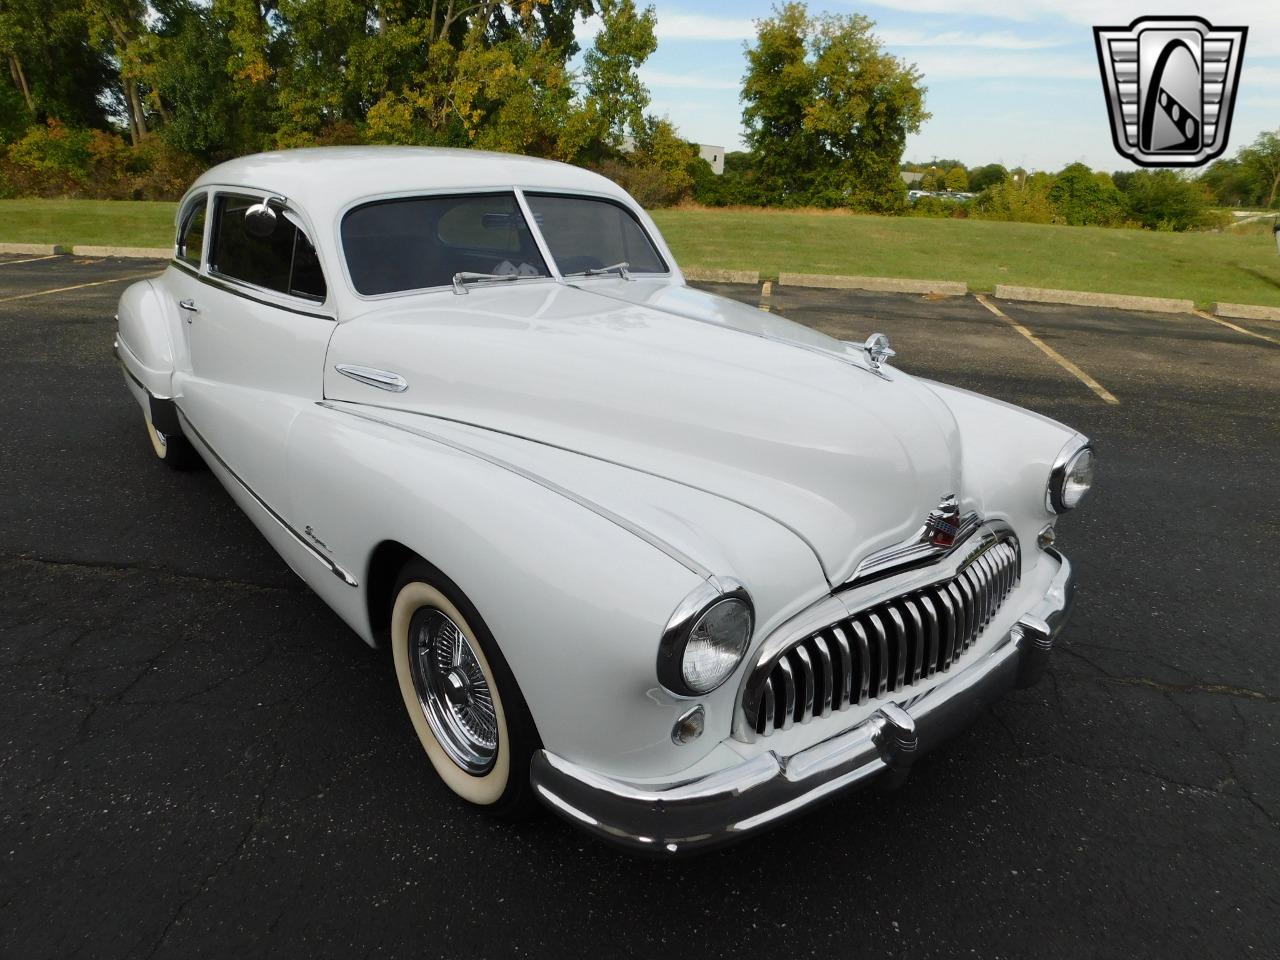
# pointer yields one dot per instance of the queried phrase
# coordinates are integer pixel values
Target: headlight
(1071, 478)
(706, 638)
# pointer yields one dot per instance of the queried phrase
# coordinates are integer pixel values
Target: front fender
(1008, 454)
(576, 603)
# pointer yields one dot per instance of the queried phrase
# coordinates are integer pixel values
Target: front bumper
(708, 812)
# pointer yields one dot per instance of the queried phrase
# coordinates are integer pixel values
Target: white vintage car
(673, 566)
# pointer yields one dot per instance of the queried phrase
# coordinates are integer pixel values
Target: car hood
(678, 384)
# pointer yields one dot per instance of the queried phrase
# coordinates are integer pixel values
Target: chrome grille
(884, 648)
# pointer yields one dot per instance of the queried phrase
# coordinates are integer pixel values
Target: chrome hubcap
(452, 691)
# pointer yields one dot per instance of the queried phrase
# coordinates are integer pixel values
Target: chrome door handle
(190, 307)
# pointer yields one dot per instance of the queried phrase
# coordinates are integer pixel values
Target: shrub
(53, 160)
(1163, 200)
(1081, 198)
(1027, 202)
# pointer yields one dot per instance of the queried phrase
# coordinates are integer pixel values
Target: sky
(1013, 82)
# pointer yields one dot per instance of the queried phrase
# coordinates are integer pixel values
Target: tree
(1082, 197)
(1262, 159)
(982, 177)
(957, 179)
(1163, 200)
(827, 111)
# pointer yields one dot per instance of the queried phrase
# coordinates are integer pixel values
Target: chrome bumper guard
(712, 811)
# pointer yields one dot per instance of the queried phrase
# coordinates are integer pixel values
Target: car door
(257, 321)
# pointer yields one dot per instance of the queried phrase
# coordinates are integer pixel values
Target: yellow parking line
(1225, 323)
(9, 263)
(1051, 353)
(78, 286)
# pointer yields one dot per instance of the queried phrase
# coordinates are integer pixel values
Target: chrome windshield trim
(654, 541)
(190, 430)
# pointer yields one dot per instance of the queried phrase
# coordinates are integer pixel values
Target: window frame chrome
(186, 211)
(252, 291)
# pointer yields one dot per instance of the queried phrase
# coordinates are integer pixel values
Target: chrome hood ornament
(943, 529)
(878, 351)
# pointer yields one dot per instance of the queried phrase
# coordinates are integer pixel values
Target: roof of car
(325, 179)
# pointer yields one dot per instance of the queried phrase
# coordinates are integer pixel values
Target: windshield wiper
(460, 280)
(622, 269)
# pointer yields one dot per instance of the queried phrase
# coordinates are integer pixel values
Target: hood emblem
(878, 351)
(943, 522)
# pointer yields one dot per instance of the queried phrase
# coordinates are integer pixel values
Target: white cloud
(699, 26)
(1001, 40)
(1261, 16)
(689, 81)
(955, 66)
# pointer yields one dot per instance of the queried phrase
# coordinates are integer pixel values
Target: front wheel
(461, 697)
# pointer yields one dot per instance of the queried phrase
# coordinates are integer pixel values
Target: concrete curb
(1246, 311)
(1083, 298)
(949, 288)
(712, 275)
(35, 249)
(141, 253)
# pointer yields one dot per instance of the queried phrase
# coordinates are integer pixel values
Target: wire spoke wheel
(452, 691)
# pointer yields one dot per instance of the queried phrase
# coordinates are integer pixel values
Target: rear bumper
(711, 811)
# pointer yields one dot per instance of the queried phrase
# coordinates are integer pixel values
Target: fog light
(1046, 536)
(690, 725)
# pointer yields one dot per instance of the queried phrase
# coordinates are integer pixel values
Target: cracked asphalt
(197, 759)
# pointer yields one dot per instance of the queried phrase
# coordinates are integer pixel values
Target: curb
(949, 288)
(1246, 311)
(141, 253)
(36, 249)
(712, 275)
(1081, 298)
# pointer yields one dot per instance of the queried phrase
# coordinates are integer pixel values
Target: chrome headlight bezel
(685, 620)
(1068, 459)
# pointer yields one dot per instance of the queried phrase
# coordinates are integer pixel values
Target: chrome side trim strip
(234, 290)
(373, 377)
(654, 541)
(192, 433)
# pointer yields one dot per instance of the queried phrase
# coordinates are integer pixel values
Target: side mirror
(260, 219)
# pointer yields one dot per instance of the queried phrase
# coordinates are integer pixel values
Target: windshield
(587, 233)
(417, 242)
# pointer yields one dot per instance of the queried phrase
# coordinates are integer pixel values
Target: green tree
(1082, 197)
(957, 179)
(827, 111)
(1163, 200)
(982, 177)
(1262, 159)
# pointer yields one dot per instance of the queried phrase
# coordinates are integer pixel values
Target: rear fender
(145, 348)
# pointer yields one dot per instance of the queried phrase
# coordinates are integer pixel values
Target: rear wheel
(173, 448)
(460, 695)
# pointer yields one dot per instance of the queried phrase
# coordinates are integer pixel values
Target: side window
(191, 231)
(284, 261)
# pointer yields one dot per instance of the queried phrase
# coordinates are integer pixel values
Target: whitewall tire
(461, 702)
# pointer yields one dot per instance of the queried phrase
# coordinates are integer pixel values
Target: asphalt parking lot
(198, 759)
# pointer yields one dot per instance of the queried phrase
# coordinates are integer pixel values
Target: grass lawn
(1204, 267)
(116, 223)
(1234, 266)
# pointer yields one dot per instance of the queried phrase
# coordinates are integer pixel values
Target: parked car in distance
(674, 567)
